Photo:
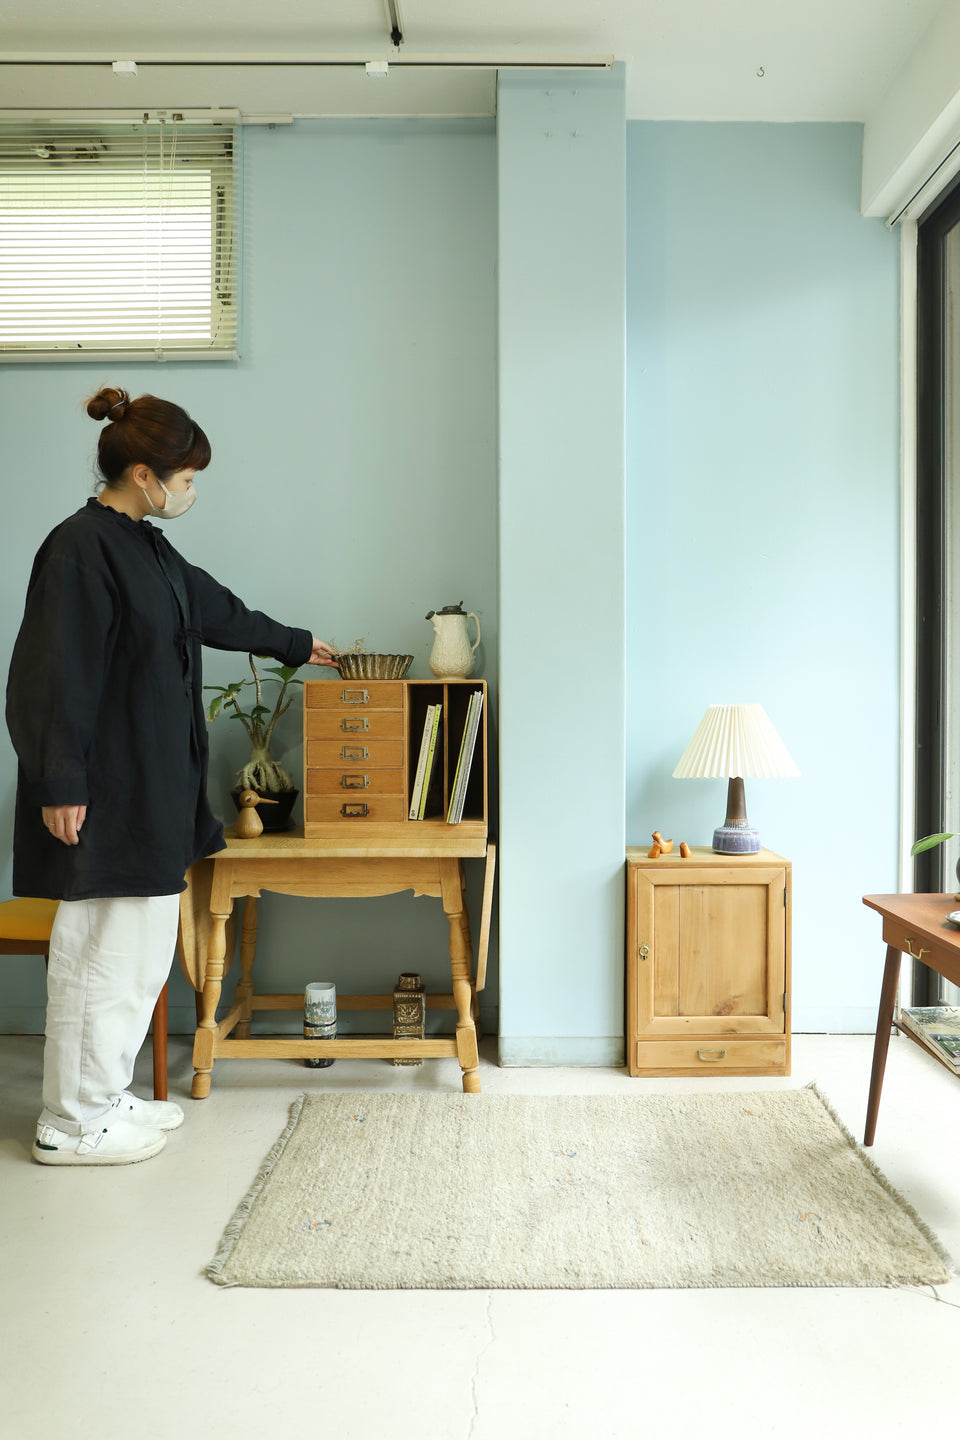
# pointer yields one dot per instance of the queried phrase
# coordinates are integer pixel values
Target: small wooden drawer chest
(708, 963)
(361, 746)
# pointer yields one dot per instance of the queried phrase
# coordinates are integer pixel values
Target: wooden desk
(369, 864)
(912, 925)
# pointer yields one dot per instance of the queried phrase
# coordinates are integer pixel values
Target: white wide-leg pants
(109, 960)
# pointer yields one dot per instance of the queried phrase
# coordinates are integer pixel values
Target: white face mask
(177, 503)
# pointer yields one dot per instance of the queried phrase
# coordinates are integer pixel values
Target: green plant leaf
(258, 712)
(214, 709)
(286, 672)
(928, 842)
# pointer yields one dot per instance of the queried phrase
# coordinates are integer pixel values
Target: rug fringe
(932, 1240)
(237, 1221)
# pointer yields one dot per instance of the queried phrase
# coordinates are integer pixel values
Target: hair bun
(108, 404)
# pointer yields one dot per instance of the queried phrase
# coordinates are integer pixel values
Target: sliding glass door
(938, 560)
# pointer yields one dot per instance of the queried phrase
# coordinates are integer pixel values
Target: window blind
(119, 239)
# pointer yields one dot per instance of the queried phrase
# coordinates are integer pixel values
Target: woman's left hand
(321, 654)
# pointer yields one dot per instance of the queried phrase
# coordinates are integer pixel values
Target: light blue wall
(561, 334)
(762, 530)
(358, 434)
(353, 482)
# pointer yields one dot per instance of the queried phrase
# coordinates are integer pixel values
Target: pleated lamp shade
(733, 741)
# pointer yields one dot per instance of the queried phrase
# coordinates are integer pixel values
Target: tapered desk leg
(213, 979)
(461, 971)
(888, 997)
(248, 949)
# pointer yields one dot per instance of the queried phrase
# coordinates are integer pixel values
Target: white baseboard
(584, 1050)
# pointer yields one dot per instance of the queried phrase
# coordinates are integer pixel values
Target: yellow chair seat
(27, 919)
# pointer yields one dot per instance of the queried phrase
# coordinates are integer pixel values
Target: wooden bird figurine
(665, 845)
(249, 825)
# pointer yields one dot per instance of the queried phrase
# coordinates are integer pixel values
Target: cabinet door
(715, 952)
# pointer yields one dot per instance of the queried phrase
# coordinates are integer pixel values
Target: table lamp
(734, 741)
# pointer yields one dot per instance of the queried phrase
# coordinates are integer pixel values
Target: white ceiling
(685, 59)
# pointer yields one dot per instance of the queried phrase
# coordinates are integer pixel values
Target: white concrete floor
(109, 1329)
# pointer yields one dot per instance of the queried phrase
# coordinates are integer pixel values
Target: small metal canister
(409, 1013)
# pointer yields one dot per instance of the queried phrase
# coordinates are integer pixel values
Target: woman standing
(104, 707)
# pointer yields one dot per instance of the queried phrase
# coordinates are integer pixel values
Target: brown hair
(145, 431)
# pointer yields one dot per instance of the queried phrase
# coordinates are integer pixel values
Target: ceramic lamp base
(736, 840)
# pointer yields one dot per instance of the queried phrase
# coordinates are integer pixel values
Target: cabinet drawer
(337, 723)
(351, 780)
(700, 1057)
(355, 809)
(353, 694)
(358, 753)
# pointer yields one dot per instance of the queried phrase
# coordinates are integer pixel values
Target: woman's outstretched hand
(64, 821)
(322, 654)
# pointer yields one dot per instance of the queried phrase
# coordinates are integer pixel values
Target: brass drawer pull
(350, 724)
(711, 1055)
(351, 810)
(916, 954)
(354, 752)
(644, 951)
(355, 697)
(354, 782)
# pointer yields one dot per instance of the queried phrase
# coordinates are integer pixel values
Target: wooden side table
(708, 963)
(912, 925)
(356, 866)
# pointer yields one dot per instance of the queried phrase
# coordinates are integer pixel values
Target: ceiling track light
(395, 23)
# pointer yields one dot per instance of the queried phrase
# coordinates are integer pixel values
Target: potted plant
(261, 772)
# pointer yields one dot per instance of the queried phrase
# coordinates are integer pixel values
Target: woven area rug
(452, 1191)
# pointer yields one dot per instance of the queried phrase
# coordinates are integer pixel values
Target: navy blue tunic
(105, 706)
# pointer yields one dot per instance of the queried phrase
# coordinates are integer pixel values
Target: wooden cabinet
(361, 745)
(708, 964)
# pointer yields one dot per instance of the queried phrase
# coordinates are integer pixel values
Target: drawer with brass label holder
(354, 777)
(371, 754)
(345, 809)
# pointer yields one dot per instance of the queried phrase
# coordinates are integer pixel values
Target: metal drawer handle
(354, 752)
(916, 954)
(351, 724)
(354, 782)
(354, 697)
(644, 951)
(350, 810)
(711, 1055)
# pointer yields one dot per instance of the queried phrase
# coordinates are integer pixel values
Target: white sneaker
(158, 1114)
(118, 1143)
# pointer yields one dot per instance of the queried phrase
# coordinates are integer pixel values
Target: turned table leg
(248, 949)
(888, 997)
(461, 971)
(213, 978)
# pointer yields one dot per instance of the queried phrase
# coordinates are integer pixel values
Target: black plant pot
(272, 817)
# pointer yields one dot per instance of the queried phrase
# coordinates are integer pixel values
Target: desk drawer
(356, 753)
(356, 809)
(341, 723)
(348, 780)
(701, 1057)
(353, 694)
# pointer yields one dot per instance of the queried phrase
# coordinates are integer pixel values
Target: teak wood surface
(912, 925)
(355, 866)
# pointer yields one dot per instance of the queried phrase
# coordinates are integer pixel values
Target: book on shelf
(471, 726)
(421, 770)
(938, 1028)
(431, 761)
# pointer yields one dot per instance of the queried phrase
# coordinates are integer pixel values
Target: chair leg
(160, 1046)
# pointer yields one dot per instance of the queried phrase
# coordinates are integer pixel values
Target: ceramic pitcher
(452, 655)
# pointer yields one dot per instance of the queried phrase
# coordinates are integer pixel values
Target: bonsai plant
(261, 772)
